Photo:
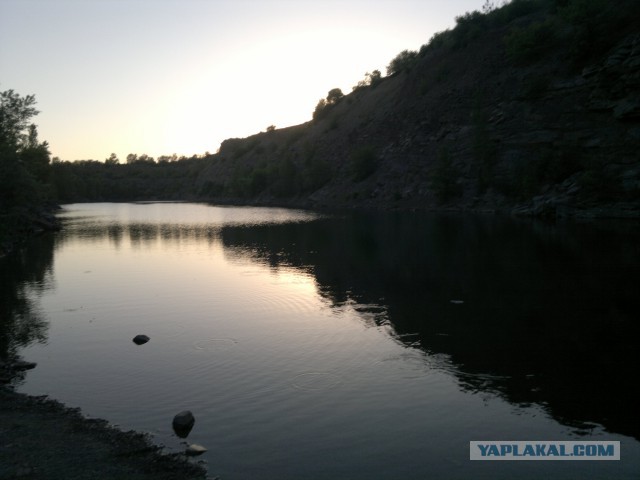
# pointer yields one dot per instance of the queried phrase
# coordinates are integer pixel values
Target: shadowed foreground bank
(41, 438)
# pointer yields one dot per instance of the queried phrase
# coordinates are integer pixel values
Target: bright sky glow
(180, 76)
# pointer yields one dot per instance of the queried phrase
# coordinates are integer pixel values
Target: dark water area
(336, 345)
(549, 312)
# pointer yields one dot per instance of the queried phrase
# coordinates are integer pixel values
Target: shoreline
(43, 438)
(17, 228)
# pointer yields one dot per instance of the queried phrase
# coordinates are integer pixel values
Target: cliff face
(494, 123)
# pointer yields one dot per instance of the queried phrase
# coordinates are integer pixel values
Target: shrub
(370, 80)
(320, 110)
(438, 40)
(316, 174)
(334, 96)
(404, 61)
(468, 27)
(283, 178)
(363, 163)
(444, 179)
(516, 9)
(530, 43)
(484, 150)
(598, 25)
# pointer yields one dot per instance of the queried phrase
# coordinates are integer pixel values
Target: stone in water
(183, 423)
(195, 449)
(140, 339)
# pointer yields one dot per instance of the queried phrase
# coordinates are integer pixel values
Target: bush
(516, 9)
(322, 108)
(363, 163)
(404, 61)
(530, 43)
(444, 179)
(370, 80)
(598, 25)
(484, 150)
(473, 24)
(469, 27)
(317, 173)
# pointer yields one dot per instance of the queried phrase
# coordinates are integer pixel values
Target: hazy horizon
(168, 76)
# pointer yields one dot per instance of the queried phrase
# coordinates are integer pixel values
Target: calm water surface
(319, 346)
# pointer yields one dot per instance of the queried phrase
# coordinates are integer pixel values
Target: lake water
(336, 346)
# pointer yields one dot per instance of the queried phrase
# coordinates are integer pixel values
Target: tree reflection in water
(24, 275)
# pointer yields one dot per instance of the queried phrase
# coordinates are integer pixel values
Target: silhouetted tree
(334, 96)
(320, 109)
(35, 156)
(370, 80)
(15, 113)
(112, 160)
(24, 163)
(405, 60)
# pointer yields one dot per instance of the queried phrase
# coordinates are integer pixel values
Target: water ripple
(215, 344)
(316, 381)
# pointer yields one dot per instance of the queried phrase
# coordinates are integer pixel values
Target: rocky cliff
(534, 112)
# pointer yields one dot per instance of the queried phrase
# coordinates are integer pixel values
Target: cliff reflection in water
(536, 313)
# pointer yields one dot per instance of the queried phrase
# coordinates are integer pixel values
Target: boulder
(140, 339)
(183, 423)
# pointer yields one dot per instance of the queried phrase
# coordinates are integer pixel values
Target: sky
(159, 77)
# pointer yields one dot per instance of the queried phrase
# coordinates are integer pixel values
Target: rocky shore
(16, 227)
(41, 438)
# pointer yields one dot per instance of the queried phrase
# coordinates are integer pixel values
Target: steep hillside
(532, 108)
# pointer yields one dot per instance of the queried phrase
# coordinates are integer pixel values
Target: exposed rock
(22, 365)
(47, 440)
(183, 423)
(140, 339)
(195, 449)
(627, 108)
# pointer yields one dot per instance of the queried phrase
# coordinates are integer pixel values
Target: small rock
(183, 423)
(22, 365)
(184, 419)
(195, 449)
(140, 339)
(457, 302)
